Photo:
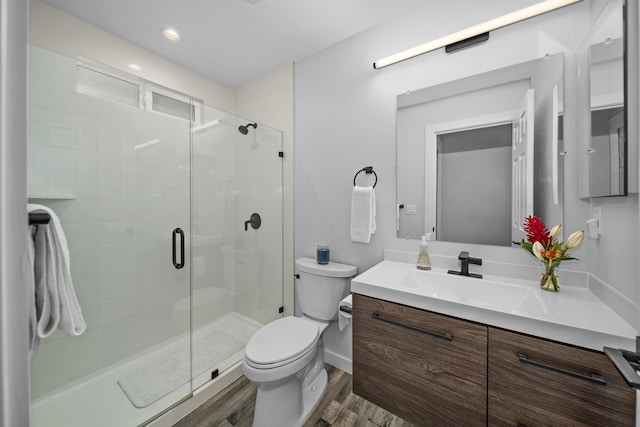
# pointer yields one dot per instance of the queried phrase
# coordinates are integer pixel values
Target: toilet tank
(320, 287)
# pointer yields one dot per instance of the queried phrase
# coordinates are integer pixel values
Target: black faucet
(465, 260)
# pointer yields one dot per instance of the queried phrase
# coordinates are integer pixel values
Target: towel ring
(367, 170)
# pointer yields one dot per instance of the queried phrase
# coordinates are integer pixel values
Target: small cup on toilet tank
(322, 254)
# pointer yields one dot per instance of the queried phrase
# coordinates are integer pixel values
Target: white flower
(537, 249)
(575, 239)
(555, 231)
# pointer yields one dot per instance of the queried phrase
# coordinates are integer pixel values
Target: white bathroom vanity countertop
(573, 316)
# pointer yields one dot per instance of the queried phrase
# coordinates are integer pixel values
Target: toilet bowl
(288, 370)
(286, 357)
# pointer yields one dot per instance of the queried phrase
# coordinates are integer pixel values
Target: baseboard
(338, 361)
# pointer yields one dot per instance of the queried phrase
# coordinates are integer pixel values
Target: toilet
(286, 357)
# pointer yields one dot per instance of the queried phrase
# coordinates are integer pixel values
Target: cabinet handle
(593, 378)
(446, 336)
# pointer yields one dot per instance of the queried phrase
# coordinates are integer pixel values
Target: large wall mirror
(476, 155)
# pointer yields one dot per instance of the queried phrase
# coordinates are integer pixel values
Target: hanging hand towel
(363, 214)
(30, 290)
(56, 304)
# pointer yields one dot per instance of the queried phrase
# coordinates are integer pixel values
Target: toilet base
(312, 395)
(279, 405)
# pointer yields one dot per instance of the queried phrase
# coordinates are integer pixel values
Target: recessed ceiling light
(135, 67)
(171, 34)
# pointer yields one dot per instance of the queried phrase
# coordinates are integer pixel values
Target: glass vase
(550, 281)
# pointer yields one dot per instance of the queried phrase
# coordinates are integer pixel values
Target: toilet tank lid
(333, 269)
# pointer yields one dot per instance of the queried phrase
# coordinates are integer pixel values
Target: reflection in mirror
(488, 141)
(485, 155)
(606, 151)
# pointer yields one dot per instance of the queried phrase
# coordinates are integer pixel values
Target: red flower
(536, 231)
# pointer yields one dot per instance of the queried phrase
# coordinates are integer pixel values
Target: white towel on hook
(56, 304)
(363, 214)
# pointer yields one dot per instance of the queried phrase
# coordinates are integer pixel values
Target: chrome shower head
(245, 129)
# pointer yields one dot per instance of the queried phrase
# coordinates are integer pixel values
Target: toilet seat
(281, 342)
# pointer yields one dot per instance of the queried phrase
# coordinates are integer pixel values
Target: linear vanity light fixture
(476, 34)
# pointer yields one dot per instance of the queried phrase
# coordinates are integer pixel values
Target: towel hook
(367, 170)
(36, 218)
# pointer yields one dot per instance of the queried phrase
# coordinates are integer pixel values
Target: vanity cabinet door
(427, 368)
(535, 382)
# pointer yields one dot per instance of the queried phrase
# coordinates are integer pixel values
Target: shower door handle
(176, 232)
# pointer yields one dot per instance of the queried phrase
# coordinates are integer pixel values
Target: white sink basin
(483, 292)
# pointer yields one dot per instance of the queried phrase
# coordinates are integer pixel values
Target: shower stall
(173, 218)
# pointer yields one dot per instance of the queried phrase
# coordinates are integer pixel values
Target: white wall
(345, 119)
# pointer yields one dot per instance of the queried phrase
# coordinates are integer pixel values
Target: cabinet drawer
(427, 368)
(538, 382)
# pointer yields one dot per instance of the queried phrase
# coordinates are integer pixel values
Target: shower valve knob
(254, 220)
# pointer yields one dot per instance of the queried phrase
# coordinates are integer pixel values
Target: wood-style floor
(339, 407)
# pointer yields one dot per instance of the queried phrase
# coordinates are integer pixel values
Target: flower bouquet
(544, 245)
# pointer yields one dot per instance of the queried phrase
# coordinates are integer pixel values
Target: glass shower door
(258, 171)
(237, 262)
(116, 170)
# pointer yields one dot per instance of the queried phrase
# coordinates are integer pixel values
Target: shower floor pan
(128, 394)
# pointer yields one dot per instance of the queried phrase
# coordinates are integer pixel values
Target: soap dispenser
(424, 263)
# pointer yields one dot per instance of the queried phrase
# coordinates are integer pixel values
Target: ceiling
(233, 41)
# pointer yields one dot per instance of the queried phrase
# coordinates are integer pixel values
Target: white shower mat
(148, 383)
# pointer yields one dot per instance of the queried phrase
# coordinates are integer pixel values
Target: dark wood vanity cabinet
(436, 370)
(427, 368)
(535, 382)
